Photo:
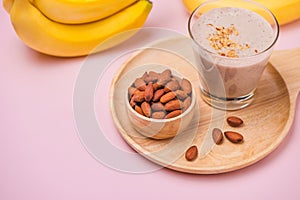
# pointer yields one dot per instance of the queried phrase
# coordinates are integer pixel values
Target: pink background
(43, 158)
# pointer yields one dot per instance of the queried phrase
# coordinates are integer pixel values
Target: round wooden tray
(265, 119)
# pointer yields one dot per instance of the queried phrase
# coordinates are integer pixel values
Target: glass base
(228, 103)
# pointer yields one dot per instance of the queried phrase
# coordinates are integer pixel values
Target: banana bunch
(285, 11)
(69, 28)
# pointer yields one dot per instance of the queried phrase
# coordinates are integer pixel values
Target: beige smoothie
(234, 46)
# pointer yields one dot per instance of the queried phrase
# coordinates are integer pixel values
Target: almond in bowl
(160, 104)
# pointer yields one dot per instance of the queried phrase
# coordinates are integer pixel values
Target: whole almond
(181, 94)
(173, 105)
(163, 81)
(167, 73)
(167, 97)
(164, 77)
(153, 74)
(149, 79)
(186, 86)
(139, 96)
(173, 114)
(186, 103)
(217, 136)
(156, 86)
(191, 153)
(157, 106)
(234, 137)
(138, 109)
(158, 115)
(140, 84)
(146, 109)
(172, 86)
(157, 94)
(149, 92)
(131, 91)
(234, 121)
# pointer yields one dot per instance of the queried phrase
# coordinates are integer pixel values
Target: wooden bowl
(158, 128)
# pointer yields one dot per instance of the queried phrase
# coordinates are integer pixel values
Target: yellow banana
(7, 4)
(285, 11)
(80, 11)
(49, 37)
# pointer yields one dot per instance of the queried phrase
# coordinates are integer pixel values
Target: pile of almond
(232, 136)
(160, 95)
(192, 152)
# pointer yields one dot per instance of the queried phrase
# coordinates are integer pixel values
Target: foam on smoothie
(252, 29)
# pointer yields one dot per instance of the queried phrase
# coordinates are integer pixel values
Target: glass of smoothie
(232, 42)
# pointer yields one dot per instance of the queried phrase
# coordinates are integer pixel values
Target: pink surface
(43, 158)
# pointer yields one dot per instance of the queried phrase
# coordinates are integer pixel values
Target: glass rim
(230, 58)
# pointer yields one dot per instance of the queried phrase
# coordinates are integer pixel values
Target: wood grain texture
(266, 121)
(288, 66)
